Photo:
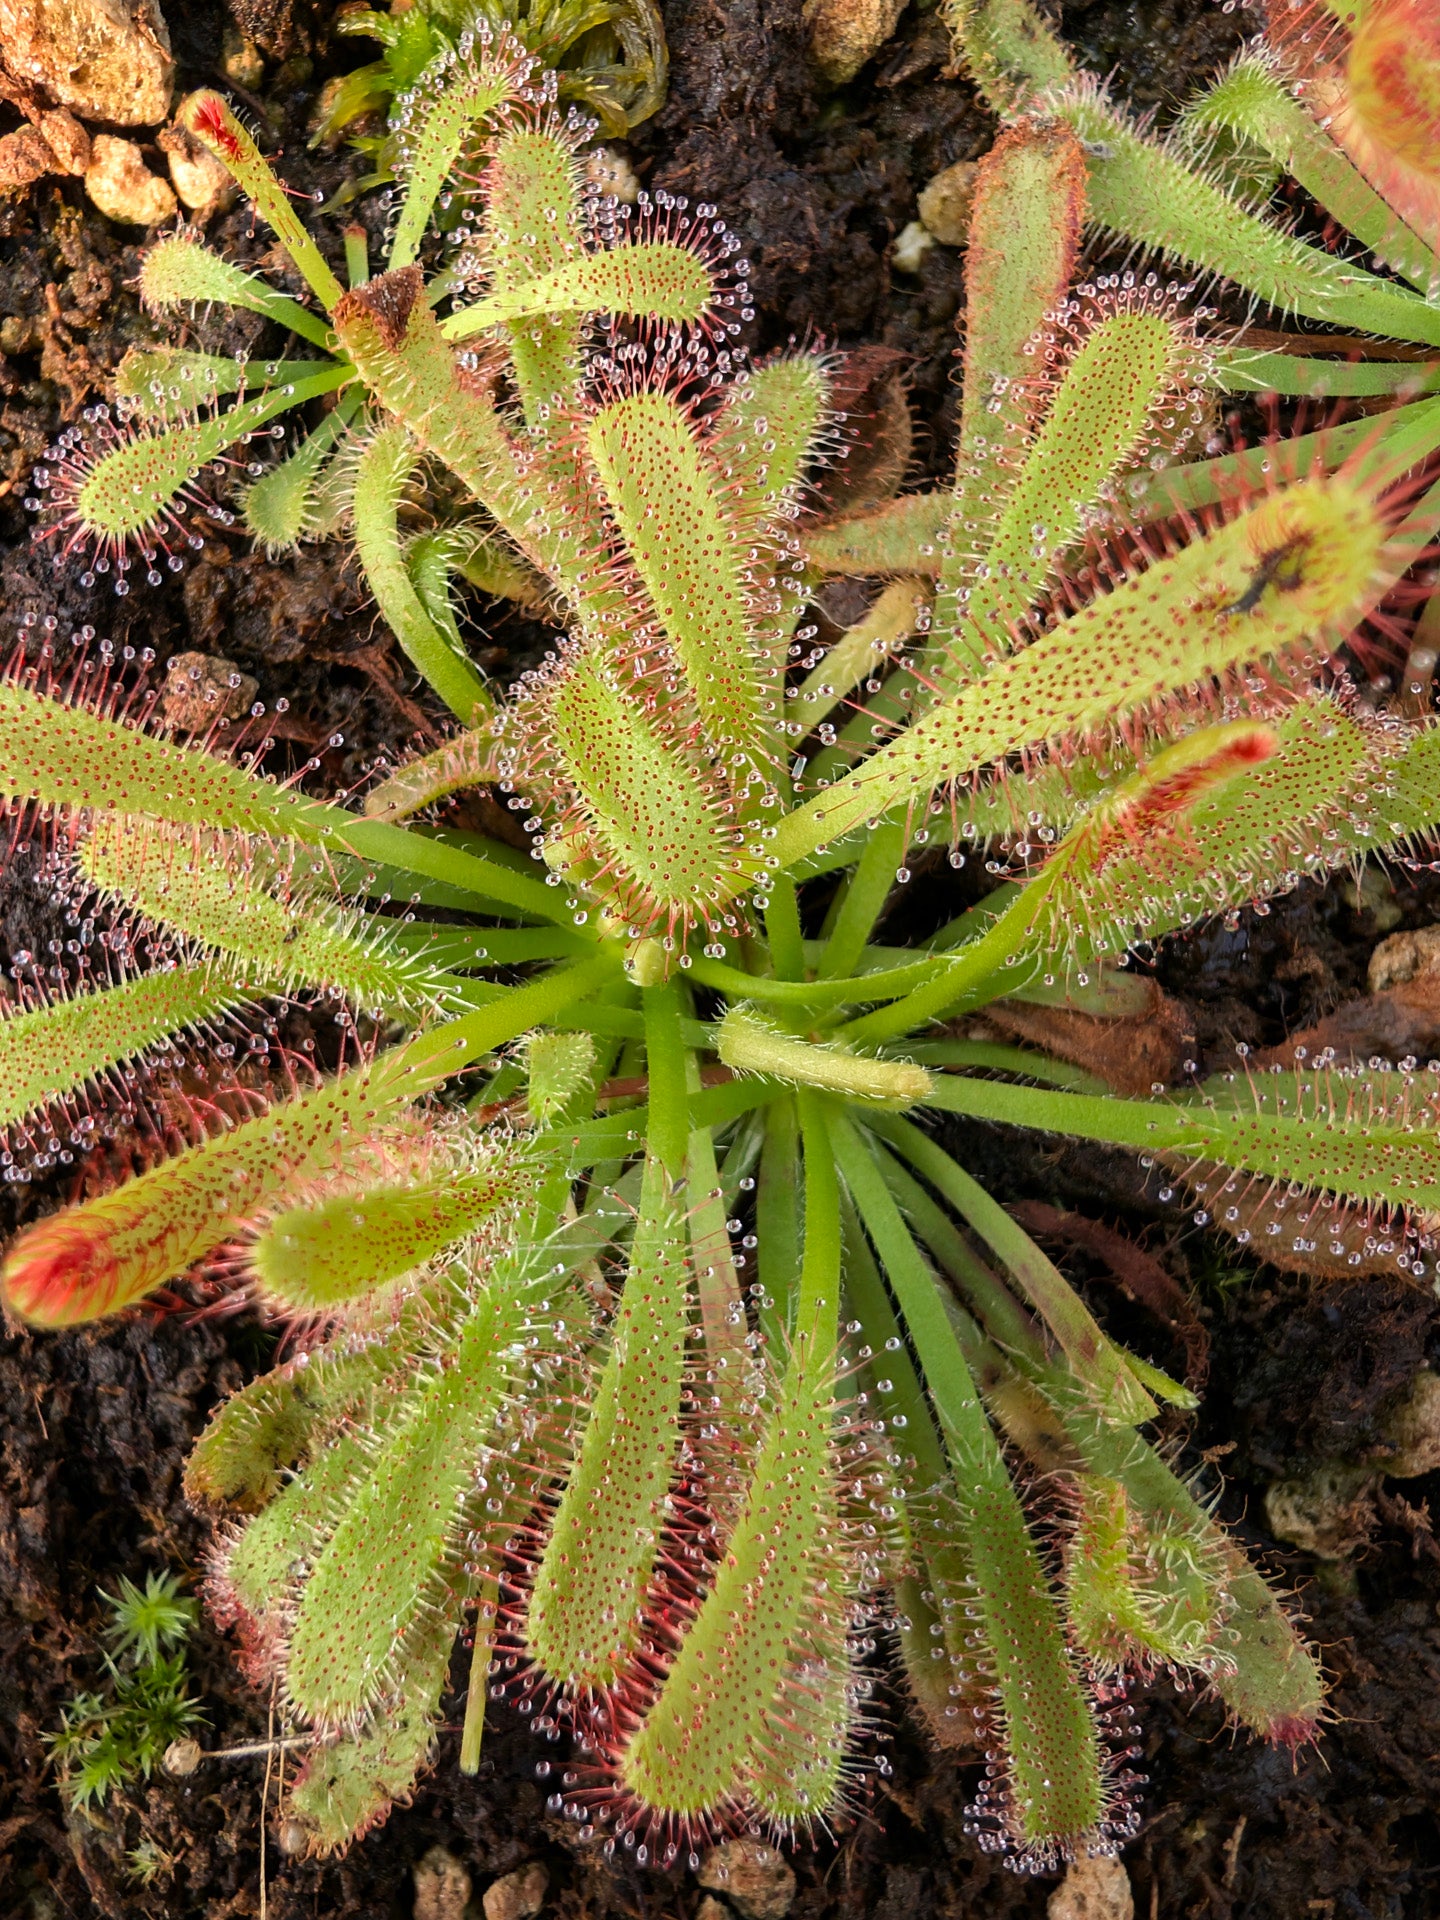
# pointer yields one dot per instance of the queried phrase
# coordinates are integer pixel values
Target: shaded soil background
(94, 1427)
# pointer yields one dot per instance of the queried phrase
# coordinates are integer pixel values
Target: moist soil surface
(95, 1426)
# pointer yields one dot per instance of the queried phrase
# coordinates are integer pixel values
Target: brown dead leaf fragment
(869, 391)
(1132, 1053)
(1401, 1021)
(1399, 1016)
(1138, 1274)
(1396, 1511)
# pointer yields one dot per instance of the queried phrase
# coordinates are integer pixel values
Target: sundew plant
(609, 56)
(641, 1326)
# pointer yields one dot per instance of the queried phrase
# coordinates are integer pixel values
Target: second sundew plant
(610, 58)
(642, 1327)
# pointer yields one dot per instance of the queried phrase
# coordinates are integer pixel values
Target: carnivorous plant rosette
(644, 1327)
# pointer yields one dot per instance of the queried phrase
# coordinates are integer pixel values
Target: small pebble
(107, 60)
(1405, 957)
(518, 1895)
(946, 202)
(66, 139)
(442, 1886)
(912, 243)
(844, 34)
(201, 688)
(611, 174)
(755, 1878)
(21, 333)
(120, 184)
(1412, 1426)
(241, 60)
(25, 156)
(1097, 1889)
(182, 1757)
(1328, 1511)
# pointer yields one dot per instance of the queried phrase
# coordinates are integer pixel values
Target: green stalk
(1383, 450)
(1057, 1795)
(627, 1023)
(1096, 1361)
(717, 1285)
(946, 1688)
(619, 1135)
(166, 384)
(818, 1301)
(777, 1219)
(479, 558)
(1244, 370)
(487, 1608)
(1390, 1162)
(209, 119)
(668, 1126)
(903, 1393)
(457, 948)
(357, 254)
(782, 928)
(411, 852)
(381, 477)
(972, 977)
(989, 1056)
(868, 889)
(446, 1049)
(932, 1226)
(807, 995)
